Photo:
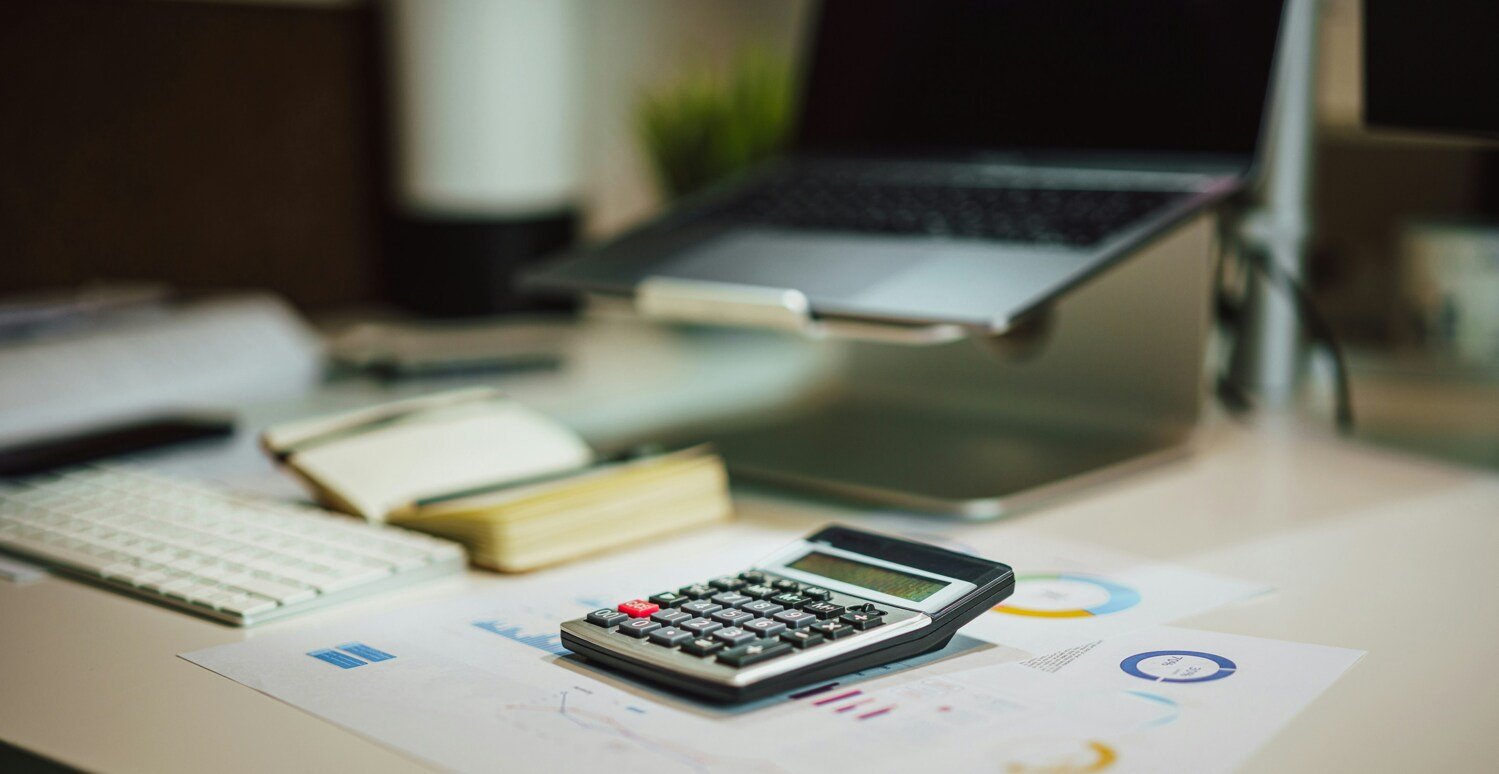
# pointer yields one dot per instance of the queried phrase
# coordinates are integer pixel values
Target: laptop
(966, 162)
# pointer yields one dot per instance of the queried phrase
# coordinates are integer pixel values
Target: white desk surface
(1368, 549)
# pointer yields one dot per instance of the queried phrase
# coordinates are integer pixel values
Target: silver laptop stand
(1108, 378)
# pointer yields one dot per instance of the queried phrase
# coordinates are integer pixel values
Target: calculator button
(790, 599)
(733, 636)
(731, 599)
(638, 627)
(820, 594)
(796, 619)
(762, 608)
(752, 576)
(697, 591)
(805, 638)
(638, 608)
(702, 646)
(699, 627)
(606, 618)
(732, 617)
(727, 583)
(670, 617)
(866, 608)
(832, 630)
(764, 627)
(668, 599)
(670, 636)
(701, 608)
(753, 653)
(861, 620)
(824, 610)
(758, 591)
(787, 585)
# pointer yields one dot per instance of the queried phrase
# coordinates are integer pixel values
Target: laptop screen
(964, 76)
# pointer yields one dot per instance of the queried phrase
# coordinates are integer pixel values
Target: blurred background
(408, 156)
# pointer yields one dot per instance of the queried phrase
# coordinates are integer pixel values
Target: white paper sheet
(1162, 699)
(469, 683)
(1068, 593)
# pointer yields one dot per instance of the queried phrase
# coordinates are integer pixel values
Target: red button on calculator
(638, 608)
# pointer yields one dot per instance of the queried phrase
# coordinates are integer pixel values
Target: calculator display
(882, 579)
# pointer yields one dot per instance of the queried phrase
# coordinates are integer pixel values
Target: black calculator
(838, 601)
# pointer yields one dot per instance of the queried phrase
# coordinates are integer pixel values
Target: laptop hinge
(757, 306)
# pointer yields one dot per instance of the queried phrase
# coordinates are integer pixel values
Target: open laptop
(966, 162)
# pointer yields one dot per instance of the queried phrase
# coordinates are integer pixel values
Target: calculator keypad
(738, 620)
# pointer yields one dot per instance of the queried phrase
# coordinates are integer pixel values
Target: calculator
(837, 601)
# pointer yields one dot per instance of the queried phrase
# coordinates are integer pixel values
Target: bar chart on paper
(551, 642)
(535, 624)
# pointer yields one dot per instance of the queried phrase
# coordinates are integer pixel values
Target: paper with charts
(466, 682)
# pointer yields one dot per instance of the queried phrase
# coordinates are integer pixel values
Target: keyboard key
(638, 627)
(861, 620)
(669, 636)
(727, 583)
(606, 618)
(832, 630)
(701, 608)
(638, 608)
(764, 627)
(762, 608)
(752, 576)
(699, 627)
(732, 617)
(817, 593)
(805, 638)
(796, 619)
(754, 653)
(759, 591)
(668, 599)
(824, 610)
(787, 585)
(733, 636)
(702, 646)
(697, 591)
(790, 600)
(670, 617)
(730, 599)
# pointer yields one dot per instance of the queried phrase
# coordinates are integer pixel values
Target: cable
(1311, 318)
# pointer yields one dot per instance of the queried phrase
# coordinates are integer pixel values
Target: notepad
(518, 488)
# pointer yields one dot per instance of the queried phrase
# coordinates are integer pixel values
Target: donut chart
(1178, 666)
(1067, 595)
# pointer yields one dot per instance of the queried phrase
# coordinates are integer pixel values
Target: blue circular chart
(1178, 666)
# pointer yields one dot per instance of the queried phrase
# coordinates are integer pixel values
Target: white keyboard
(238, 559)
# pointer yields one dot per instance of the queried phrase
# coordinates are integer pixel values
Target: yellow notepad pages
(519, 489)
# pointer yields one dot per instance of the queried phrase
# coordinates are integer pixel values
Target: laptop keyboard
(1052, 216)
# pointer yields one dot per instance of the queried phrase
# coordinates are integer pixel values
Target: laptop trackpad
(816, 264)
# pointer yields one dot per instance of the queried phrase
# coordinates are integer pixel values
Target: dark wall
(209, 145)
